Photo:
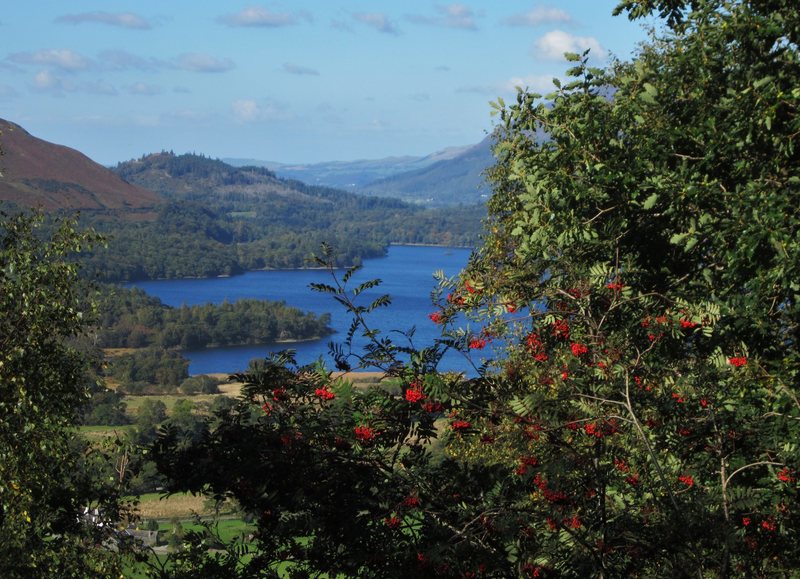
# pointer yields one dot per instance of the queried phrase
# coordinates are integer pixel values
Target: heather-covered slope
(39, 173)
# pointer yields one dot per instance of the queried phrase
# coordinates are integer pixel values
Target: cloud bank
(197, 62)
(62, 58)
(299, 70)
(456, 16)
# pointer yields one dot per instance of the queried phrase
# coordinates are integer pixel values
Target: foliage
(136, 372)
(106, 407)
(43, 384)
(200, 385)
(129, 318)
(339, 479)
(639, 282)
(650, 250)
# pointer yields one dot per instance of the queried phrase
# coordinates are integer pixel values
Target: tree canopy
(46, 479)
(639, 282)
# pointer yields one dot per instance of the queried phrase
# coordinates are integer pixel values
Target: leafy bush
(200, 385)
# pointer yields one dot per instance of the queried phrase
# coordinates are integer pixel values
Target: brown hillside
(38, 173)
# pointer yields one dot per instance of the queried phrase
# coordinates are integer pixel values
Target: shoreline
(442, 245)
(131, 283)
(114, 352)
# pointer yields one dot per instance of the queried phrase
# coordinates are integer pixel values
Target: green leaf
(650, 202)
(762, 81)
(677, 239)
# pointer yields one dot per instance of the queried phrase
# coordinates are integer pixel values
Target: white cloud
(341, 25)
(99, 87)
(123, 60)
(538, 83)
(143, 89)
(196, 62)
(537, 16)
(555, 43)
(261, 17)
(299, 70)
(458, 16)
(121, 19)
(62, 58)
(46, 81)
(378, 21)
(119, 60)
(249, 110)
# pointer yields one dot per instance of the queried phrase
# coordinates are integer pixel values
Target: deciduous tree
(43, 384)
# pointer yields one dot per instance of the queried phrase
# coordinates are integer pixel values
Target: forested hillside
(173, 216)
(448, 182)
(129, 318)
(222, 220)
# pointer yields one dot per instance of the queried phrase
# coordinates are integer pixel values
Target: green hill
(221, 220)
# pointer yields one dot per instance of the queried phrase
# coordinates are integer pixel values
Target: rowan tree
(644, 228)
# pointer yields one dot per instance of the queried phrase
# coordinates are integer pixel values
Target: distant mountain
(347, 175)
(350, 175)
(38, 173)
(451, 176)
(454, 180)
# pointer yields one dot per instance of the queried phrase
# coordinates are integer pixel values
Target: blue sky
(288, 81)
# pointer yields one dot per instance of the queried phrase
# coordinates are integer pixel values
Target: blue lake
(406, 274)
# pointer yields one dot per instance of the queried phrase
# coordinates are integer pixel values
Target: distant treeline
(148, 371)
(129, 318)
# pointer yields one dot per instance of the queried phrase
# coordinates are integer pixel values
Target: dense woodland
(222, 220)
(129, 318)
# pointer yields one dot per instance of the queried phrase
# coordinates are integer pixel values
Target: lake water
(406, 274)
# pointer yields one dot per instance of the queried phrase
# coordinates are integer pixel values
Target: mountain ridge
(36, 172)
(387, 176)
(457, 180)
